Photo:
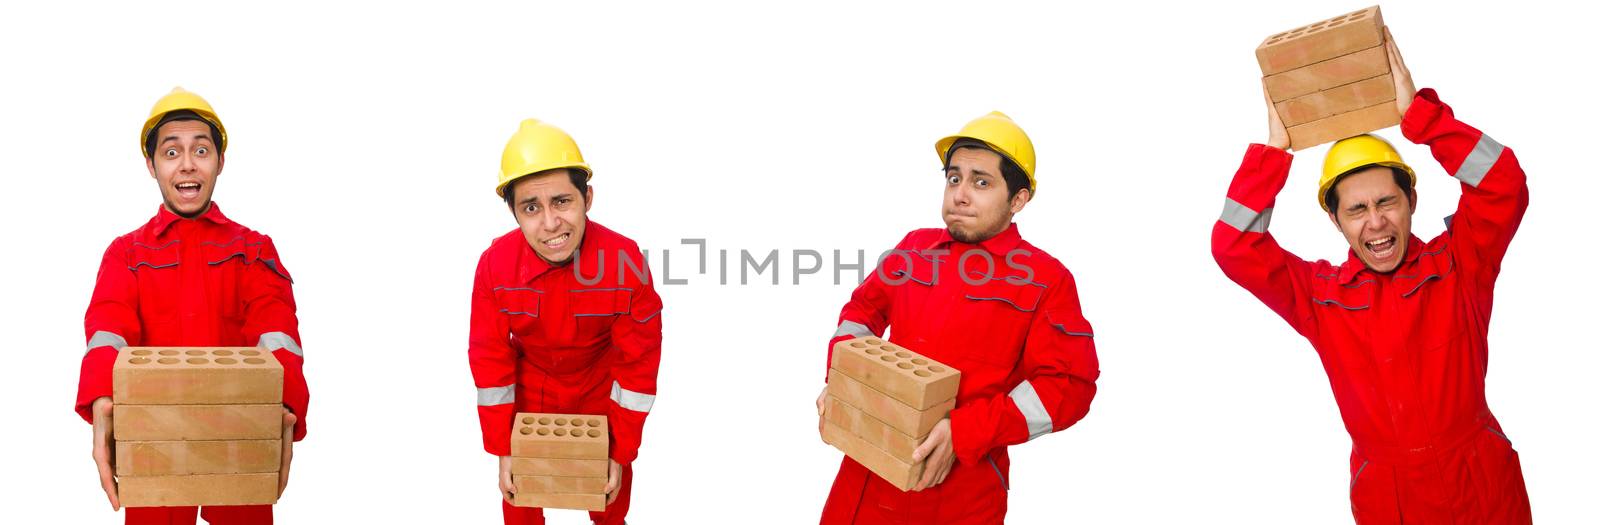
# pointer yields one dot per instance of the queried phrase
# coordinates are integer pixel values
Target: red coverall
(549, 339)
(1025, 352)
(206, 281)
(1406, 351)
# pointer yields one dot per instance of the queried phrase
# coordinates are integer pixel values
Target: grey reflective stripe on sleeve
(1483, 157)
(1027, 400)
(631, 400)
(272, 341)
(853, 328)
(1449, 221)
(499, 395)
(1244, 219)
(104, 338)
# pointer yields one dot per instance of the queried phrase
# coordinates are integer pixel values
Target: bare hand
(104, 452)
(508, 490)
(939, 454)
(1404, 88)
(1277, 134)
(289, 420)
(822, 411)
(613, 482)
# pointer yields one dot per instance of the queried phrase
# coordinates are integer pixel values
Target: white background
(366, 140)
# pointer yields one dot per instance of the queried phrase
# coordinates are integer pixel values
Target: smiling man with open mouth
(1401, 325)
(189, 277)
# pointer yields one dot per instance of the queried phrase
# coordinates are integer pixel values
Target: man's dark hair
(174, 116)
(1015, 178)
(1401, 179)
(579, 178)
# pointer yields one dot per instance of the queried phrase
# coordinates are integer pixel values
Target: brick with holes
(900, 373)
(1324, 40)
(196, 376)
(567, 436)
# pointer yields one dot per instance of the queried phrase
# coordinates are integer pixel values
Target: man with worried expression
(978, 297)
(1401, 325)
(559, 323)
(189, 277)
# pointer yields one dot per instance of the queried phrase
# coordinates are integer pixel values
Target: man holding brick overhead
(1401, 325)
(188, 277)
(978, 297)
(564, 316)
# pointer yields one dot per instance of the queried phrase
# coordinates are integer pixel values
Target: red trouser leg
(521, 515)
(614, 514)
(238, 515)
(159, 515)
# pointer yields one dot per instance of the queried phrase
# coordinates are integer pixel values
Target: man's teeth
(556, 241)
(189, 186)
(1381, 244)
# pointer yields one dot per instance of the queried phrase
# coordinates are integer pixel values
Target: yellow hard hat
(536, 147)
(1002, 135)
(182, 100)
(1355, 153)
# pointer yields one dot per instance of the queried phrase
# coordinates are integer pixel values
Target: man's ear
(1334, 218)
(588, 198)
(220, 159)
(150, 164)
(1020, 200)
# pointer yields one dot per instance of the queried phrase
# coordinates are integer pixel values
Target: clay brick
(568, 436)
(898, 473)
(196, 376)
(1344, 125)
(196, 422)
(1337, 36)
(589, 502)
(577, 468)
(890, 411)
(1342, 99)
(208, 489)
(559, 485)
(1331, 73)
(176, 458)
(900, 373)
(879, 434)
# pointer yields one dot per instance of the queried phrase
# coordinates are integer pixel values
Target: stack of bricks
(197, 426)
(1332, 79)
(560, 461)
(882, 401)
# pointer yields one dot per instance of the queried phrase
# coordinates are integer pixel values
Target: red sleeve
(1494, 189)
(637, 337)
(867, 313)
(111, 323)
(493, 362)
(1244, 249)
(1059, 369)
(269, 319)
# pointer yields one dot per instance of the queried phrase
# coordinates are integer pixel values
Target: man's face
(551, 213)
(1374, 214)
(975, 203)
(185, 165)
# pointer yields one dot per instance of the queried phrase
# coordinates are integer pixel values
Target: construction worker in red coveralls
(189, 277)
(1401, 325)
(564, 316)
(978, 297)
